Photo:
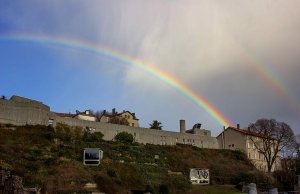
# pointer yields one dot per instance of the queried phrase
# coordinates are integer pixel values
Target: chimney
(182, 126)
(238, 126)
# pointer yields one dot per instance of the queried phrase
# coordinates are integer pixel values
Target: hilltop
(51, 159)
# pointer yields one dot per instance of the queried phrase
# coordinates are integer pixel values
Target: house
(130, 117)
(107, 117)
(240, 139)
(85, 115)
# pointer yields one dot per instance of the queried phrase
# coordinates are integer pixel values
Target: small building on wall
(86, 115)
(130, 118)
(240, 139)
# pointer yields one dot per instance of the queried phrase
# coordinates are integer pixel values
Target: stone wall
(22, 111)
(142, 135)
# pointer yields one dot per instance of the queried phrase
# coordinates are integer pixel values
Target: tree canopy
(156, 125)
(124, 137)
(276, 139)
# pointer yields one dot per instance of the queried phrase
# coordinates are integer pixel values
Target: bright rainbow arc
(149, 68)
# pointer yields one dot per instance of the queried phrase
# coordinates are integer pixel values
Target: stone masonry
(21, 111)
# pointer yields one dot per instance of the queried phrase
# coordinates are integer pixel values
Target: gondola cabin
(92, 156)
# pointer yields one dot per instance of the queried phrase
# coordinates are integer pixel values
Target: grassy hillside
(51, 159)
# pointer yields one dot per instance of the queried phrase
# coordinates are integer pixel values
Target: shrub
(163, 189)
(124, 137)
(106, 184)
(63, 132)
(92, 137)
(180, 183)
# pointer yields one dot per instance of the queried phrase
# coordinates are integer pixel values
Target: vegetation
(51, 159)
(124, 137)
(277, 137)
(156, 125)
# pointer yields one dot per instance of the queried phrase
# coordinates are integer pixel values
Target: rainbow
(267, 74)
(127, 59)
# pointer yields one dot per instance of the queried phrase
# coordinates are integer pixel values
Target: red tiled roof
(251, 133)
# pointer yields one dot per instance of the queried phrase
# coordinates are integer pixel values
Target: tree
(124, 137)
(156, 125)
(274, 138)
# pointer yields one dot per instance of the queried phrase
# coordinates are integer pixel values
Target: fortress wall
(17, 111)
(143, 135)
(22, 111)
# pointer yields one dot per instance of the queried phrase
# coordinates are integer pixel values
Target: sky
(210, 62)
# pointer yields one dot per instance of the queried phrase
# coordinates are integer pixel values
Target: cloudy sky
(241, 56)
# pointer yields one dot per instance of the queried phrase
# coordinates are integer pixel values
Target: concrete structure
(240, 139)
(21, 111)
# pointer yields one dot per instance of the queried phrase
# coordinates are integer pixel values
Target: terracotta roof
(247, 132)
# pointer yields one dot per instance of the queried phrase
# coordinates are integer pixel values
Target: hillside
(51, 159)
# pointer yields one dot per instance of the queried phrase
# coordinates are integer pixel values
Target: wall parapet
(22, 111)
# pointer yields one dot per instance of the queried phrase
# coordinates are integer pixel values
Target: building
(86, 115)
(21, 111)
(127, 116)
(240, 139)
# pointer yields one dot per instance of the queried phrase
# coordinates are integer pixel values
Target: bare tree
(274, 138)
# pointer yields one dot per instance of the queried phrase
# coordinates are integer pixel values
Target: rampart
(22, 111)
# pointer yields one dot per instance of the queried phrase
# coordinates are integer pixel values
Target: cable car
(92, 156)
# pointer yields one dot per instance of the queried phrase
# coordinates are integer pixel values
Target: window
(132, 124)
(249, 156)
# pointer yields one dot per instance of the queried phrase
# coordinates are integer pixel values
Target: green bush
(124, 137)
(92, 137)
